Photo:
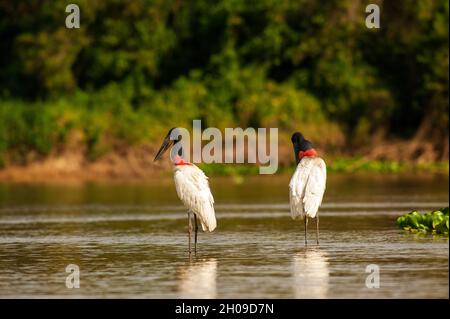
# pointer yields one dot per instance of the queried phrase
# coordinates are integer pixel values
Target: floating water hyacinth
(435, 222)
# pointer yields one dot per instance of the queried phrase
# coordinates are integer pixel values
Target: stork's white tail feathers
(307, 187)
(193, 189)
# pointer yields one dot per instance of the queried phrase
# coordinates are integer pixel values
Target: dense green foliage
(434, 222)
(135, 68)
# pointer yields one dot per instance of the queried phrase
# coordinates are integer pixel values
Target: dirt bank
(136, 163)
(133, 163)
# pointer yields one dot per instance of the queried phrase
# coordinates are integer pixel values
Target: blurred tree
(296, 64)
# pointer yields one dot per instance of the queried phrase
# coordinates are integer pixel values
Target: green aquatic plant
(435, 222)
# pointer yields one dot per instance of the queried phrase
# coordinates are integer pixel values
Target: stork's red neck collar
(178, 161)
(310, 152)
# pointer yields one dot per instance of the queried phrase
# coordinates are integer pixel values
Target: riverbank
(136, 164)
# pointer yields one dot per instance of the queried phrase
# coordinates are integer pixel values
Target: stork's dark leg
(189, 230)
(317, 229)
(196, 230)
(306, 227)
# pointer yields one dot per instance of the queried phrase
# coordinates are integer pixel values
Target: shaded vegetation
(436, 222)
(336, 165)
(135, 68)
(356, 164)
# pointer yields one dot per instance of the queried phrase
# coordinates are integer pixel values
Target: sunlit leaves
(436, 222)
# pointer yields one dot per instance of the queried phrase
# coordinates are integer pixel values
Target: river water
(130, 241)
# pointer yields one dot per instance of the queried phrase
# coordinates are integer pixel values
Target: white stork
(192, 187)
(307, 185)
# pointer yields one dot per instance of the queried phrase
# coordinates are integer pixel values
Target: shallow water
(130, 240)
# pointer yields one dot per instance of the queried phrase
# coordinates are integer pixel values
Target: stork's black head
(300, 143)
(172, 138)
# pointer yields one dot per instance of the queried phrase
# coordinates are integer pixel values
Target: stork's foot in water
(306, 230)
(317, 229)
(196, 231)
(189, 231)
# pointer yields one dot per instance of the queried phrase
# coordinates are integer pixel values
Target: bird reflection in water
(198, 279)
(311, 273)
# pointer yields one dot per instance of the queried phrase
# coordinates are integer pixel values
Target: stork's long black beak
(165, 145)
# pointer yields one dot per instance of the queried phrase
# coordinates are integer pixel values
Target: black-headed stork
(192, 187)
(308, 183)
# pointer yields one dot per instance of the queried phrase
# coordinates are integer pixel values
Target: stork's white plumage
(193, 190)
(308, 183)
(307, 187)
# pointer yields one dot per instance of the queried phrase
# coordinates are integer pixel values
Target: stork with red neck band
(191, 185)
(308, 183)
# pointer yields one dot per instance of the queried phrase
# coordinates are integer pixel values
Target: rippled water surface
(130, 240)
